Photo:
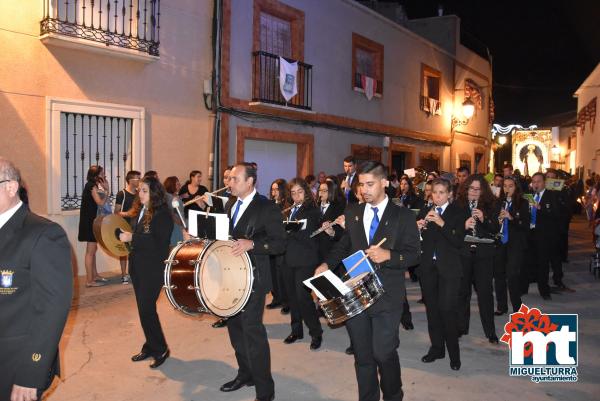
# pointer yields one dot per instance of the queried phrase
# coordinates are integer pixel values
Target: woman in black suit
(280, 298)
(301, 257)
(150, 248)
(481, 209)
(407, 195)
(331, 202)
(514, 219)
(442, 230)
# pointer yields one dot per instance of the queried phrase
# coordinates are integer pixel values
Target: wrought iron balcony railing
(265, 82)
(129, 24)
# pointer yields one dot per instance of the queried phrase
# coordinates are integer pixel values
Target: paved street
(103, 332)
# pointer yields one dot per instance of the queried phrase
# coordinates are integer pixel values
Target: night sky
(542, 50)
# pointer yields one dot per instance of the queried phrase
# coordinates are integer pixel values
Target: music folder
(213, 226)
(294, 225)
(364, 266)
(216, 203)
(327, 285)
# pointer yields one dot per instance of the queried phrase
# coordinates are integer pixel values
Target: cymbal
(106, 230)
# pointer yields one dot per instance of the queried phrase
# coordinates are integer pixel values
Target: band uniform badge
(6, 282)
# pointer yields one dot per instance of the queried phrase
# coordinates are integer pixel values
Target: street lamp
(501, 140)
(468, 109)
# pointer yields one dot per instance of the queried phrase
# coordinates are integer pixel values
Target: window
(363, 153)
(275, 35)
(88, 140)
(429, 161)
(430, 90)
(367, 62)
(81, 134)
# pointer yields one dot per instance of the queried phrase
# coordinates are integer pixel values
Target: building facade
(116, 83)
(419, 73)
(588, 138)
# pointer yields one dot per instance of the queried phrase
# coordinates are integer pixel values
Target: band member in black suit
(280, 297)
(374, 333)
(301, 257)
(407, 195)
(440, 272)
(346, 183)
(331, 203)
(565, 213)
(256, 225)
(149, 249)
(482, 210)
(514, 221)
(35, 293)
(543, 234)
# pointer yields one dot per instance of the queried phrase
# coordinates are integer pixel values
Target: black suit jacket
(301, 250)
(411, 201)
(326, 242)
(489, 227)
(518, 227)
(150, 245)
(399, 227)
(351, 197)
(445, 242)
(35, 298)
(547, 217)
(262, 223)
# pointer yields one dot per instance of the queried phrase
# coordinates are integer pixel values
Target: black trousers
(544, 253)
(441, 305)
(147, 285)
(374, 336)
(507, 268)
(248, 337)
(302, 306)
(478, 269)
(279, 292)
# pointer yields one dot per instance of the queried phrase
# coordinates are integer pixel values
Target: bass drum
(223, 282)
(202, 276)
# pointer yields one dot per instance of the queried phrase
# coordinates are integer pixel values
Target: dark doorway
(399, 160)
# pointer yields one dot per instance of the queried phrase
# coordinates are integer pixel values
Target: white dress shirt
(4, 217)
(245, 202)
(368, 214)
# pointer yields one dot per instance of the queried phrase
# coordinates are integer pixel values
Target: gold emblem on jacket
(36, 357)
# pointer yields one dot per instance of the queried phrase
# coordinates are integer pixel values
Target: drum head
(224, 281)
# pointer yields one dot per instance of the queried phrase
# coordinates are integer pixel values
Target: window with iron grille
(367, 61)
(275, 35)
(87, 140)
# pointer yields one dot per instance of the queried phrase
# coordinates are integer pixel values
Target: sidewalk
(103, 332)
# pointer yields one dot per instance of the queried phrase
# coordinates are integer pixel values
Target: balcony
(265, 82)
(128, 28)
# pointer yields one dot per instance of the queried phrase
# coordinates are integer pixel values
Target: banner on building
(288, 82)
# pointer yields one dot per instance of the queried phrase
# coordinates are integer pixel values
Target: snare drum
(202, 276)
(365, 290)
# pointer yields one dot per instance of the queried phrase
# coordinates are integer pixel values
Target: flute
(197, 198)
(320, 230)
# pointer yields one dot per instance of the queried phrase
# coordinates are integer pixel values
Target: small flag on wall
(369, 85)
(288, 78)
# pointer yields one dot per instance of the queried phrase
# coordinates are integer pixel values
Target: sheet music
(221, 224)
(332, 278)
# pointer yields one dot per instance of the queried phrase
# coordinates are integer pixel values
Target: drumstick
(363, 258)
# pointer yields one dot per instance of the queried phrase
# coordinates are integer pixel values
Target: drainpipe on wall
(216, 103)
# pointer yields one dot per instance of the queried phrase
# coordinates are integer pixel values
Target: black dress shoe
(462, 333)
(273, 305)
(315, 342)
(292, 338)
(269, 398)
(350, 350)
(160, 359)
(499, 313)
(408, 325)
(285, 310)
(140, 357)
(236, 384)
(493, 339)
(219, 323)
(428, 358)
(455, 365)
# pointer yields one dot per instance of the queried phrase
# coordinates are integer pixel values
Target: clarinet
(474, 218)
